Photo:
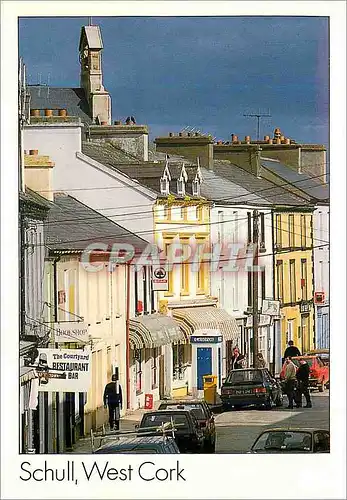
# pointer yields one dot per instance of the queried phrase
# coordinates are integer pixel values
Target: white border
(218, 476)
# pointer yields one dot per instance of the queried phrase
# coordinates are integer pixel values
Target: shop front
(208, 329)
(153, 338)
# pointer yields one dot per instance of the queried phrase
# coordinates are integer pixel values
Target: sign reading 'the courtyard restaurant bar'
(64, 370)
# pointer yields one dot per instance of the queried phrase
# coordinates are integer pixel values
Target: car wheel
(269, 403)
(279, 400)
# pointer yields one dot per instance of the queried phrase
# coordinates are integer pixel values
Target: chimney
(33, 152)
(35, 112)
(62, 112)
(277, 133)
(38, 173)
(48, 112)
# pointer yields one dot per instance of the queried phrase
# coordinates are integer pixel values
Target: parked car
(294, 440)
(203, 415)
(319, 371)
(189, 435)
(142, 445)
(251, 387)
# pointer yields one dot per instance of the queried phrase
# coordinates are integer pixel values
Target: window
(278, 230)
(138, 364)
(177, 213)
(184, 268)
(263, 284)
(250, 287)
(181, 190)
(290, 330)
(262, 230)
(249, 227)
(192, 213)
(178, 361)
(196, 188)
(291, 230)
(292, 281)
(280, 280)
(220, 226)
(303, 230)
(155, 353)
(136, 292)
(164, 186)
(303, 279)
(170, 273)
(145, 290)
(167, 212)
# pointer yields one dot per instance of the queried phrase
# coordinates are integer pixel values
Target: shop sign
(271, 307)
(305, 307)
(263, 320)
(160, 279)
(71, 332)
(63, 370)
(206, 336)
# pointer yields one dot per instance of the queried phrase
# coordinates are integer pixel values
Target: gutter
(127, 336)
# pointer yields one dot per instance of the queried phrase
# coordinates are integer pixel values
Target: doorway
(204, 365)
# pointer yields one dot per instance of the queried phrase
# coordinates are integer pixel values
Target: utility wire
(97, 216)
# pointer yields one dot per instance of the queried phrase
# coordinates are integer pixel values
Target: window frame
(292, 282)
(303, 230)
(279, 280)
(291, 231)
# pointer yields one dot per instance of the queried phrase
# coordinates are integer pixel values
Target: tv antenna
(258, 116)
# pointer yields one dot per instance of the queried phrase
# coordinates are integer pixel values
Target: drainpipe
(127, 337)
(273, 291)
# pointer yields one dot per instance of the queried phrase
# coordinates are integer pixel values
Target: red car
(319, 371)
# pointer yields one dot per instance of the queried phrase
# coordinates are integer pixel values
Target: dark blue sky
(205, 72)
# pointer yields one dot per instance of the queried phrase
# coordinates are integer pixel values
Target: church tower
(99, 99)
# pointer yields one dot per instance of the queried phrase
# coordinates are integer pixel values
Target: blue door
(204, 364)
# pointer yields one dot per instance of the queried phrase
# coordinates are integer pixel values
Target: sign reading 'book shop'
(71, 332)
(64, 370)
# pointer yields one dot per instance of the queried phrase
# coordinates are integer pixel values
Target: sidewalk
(127, 423)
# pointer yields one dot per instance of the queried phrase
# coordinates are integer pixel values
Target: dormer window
(196, 187)
(165, 180)
(181, 182)
(181, 189)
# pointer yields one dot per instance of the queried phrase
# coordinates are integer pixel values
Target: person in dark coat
(113, 399)
(303, 375)
(238, 360)
(291, 351)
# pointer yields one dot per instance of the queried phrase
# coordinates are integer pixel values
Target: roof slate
(312, 187)
(107, 153)
(71, 225)
(71, 99)
(274, 195)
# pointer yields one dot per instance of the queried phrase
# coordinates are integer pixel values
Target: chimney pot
(234, 138)
(188, 134)
(278, 140)
(103, 123)
(197, 134)
(48, 112)
(117, 122)
(35, 112)
(33, 152)
(270, 141)
(170, 134)
(248, 139)
(62, 112)
(266, 138)
(180, 134)
(287, 141)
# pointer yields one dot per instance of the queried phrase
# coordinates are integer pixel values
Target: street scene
(174, 241)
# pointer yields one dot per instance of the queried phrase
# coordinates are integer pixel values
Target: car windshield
(195, 408)
(283, 441)
(309, 361)
(158, 419)
(241, 377)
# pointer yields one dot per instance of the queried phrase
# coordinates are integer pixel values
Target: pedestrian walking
(238, 360)
(289, 381)
(303, 375)
(261, 361)
(113, 399)
(291, 350)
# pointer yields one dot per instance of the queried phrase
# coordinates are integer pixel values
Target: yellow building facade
(293, 286)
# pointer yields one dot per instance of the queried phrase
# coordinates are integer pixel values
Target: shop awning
(154, 330)
(208, 317)
(26, 374)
